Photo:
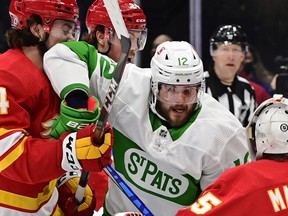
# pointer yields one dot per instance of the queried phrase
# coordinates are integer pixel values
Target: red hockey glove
(93, 157)
(68, 203)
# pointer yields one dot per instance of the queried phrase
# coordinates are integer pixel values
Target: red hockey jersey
(28, 106)
(256, 188)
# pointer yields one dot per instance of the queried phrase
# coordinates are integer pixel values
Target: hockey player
(102, 35)
(30, 163)
(228, 47)
(257, 188)
(171, 139)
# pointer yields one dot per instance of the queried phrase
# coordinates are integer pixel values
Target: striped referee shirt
(239, 98)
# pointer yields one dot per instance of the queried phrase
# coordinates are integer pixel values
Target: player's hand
(72, 120)
(81, 152)
(68, 203)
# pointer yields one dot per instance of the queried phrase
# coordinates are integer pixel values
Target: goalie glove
(72, 120)
(67, 201)
(81, 152)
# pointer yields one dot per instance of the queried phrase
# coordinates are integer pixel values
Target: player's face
(116, 46)
(61, 31)
(176, 103)
(227, 61)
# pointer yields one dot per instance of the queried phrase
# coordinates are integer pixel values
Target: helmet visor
(63, 28)
(178, 94)
(77, 31)
(138, 38)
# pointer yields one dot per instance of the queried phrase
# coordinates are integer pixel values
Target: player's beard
(168, 112)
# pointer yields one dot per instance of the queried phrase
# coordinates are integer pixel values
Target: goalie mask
(176, 67)
(48, 10)
(268, 129)
(133, 15)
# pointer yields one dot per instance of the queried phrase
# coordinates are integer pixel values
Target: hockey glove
(81, 152)
(68, 203)
(72, 120)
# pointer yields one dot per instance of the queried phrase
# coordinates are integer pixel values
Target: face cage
(141, 40)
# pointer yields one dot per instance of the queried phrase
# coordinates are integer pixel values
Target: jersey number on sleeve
(205, 203)
(4, 103)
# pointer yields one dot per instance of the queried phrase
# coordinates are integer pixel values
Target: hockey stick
(123, 35)
(127, 191)
(115, 15)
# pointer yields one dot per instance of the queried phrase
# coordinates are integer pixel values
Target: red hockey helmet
(133, 15)
(48, 10)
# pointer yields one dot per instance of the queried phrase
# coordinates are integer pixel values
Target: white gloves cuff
(69, 159)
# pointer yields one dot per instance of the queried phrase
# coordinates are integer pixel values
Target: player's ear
(100, 36)
(102, 42)
(37, 30)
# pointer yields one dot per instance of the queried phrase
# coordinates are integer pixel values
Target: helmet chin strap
(153, 103)
(158, 114)
(42, 44)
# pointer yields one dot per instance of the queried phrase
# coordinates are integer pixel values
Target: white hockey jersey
(166, 168)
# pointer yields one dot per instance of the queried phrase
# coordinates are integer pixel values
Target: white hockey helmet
(176, 63)
(268, 129)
